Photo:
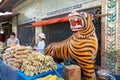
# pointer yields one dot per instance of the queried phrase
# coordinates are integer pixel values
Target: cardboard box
(72, 72)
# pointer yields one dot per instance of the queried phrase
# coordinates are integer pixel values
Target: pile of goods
(50, 77)
(37, 63)
(29, 62)
(14, 56)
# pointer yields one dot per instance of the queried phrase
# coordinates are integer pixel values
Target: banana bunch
(14, 56)
(50, 77)
(37, 63)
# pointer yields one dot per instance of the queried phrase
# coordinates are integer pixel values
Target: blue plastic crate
(6, 72)
(9, 74)
(24, 77)
(117, 77)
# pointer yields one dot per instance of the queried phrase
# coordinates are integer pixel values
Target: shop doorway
(5, 30)
(61, 31)
(26, 34)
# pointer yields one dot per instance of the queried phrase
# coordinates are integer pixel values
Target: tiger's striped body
(81, 46)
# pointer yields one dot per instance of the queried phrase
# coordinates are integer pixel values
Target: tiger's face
(77, 20)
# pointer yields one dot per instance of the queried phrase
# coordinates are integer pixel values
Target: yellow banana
(52, 78)
(45, 78)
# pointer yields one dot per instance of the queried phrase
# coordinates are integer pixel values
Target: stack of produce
(14, 56)
(37, 63)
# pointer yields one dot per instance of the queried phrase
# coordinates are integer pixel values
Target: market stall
(7, 73)
(21, 63)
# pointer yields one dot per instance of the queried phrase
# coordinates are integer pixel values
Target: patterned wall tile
(111, 34)
(111, 24)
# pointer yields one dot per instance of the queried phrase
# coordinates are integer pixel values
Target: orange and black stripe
(82, 48)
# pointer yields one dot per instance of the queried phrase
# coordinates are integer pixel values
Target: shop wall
(49, 8)
(35, 10)
(14, 25)
(37, 31)
(27, 10)
(28, 14)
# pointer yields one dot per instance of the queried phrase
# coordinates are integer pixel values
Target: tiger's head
(80, 21)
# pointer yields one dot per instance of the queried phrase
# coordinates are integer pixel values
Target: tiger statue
(81, 46)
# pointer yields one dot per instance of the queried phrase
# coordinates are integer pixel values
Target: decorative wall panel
(111, 34)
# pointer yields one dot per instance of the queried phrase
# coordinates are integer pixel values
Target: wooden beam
(101, 15)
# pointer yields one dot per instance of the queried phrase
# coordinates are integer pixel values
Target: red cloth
(50, 21)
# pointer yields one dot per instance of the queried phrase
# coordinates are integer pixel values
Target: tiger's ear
(84, 14)
(92, 16)
(73, 13)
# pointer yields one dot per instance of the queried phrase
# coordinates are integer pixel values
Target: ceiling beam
(4, 18)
